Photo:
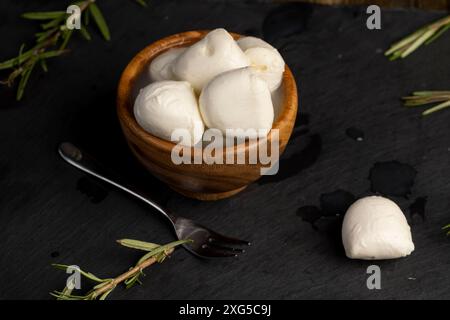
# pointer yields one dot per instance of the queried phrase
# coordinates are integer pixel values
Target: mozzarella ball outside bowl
(375, 228)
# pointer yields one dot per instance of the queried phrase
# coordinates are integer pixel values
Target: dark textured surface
(49, 212)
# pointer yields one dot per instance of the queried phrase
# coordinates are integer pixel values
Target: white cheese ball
(265, 60)
(161, 67)
(252, 42)
(164, 106)
(217, 52)
(375, 228)
(237, 99)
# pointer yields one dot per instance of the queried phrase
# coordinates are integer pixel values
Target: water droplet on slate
(355, 134)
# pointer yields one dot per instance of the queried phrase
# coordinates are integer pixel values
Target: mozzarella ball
(237, 99)
(164, 106)
(375, 228)
(268, 64)
(161, 67)
(216, 53)
(252, 42)
(265, 60)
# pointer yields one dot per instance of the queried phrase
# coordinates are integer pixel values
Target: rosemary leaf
(52, 23)
(136, 244)
(43, 64)
(424, 37)
(20, 56)
(23, 81)
(430, 93)
(100, 21)
(439, 107)
(422, 101)
(105, 295)
(438, 34)
(85, 33)
(102, 284)
(12, 62)
(66, 37)
(43, 15)
(86, 18)
(446, 228)
(68, 291)
(60, 266)
(68, 295)
(129, 283)
(52, 54)
(395, 56)
(142, 3)
(41, 36)
(60, 296)
(162, 249)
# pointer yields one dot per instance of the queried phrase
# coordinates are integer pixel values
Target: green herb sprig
(104, 286)
(420, 98)
(424, 35)
(51, 41)
(447, 229)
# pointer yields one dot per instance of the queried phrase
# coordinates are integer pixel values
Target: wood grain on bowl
(200, 181)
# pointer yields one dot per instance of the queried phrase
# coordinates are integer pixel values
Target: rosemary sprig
(142, 3)
(155, 253)
(52, 40)
(447, 228)
(420, 98)
(424, 35)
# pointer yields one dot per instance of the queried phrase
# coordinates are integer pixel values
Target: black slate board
(344, 82)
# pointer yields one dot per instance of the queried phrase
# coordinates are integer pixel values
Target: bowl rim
(134, 68)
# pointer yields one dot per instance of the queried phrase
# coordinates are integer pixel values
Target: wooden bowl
(199, 181)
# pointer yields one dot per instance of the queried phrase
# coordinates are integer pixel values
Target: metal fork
(206, 242)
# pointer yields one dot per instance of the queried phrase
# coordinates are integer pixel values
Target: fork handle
(88, 164)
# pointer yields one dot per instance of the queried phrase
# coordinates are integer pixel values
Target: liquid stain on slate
(54, 254)
(300, 125)
(310, 214)
(332, 205)
(418, 207)
(92, 189)
(355, 134)
(298, 161)
(329, 218)
(392, 178)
